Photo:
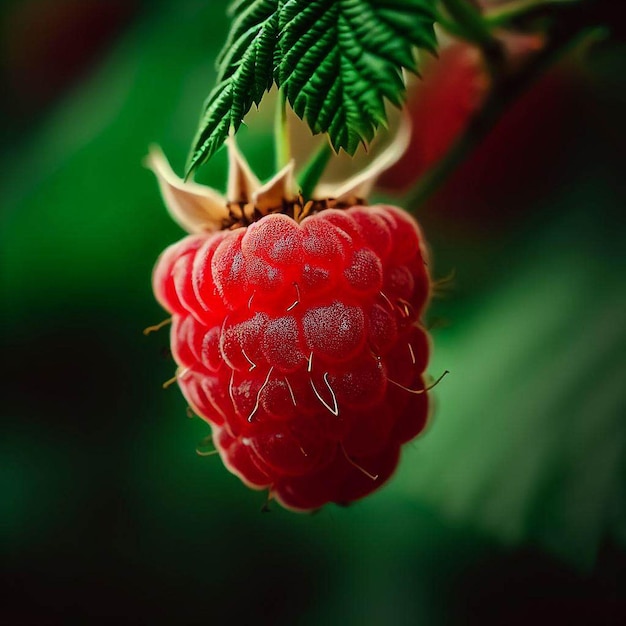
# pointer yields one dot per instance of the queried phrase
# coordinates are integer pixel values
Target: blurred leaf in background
(509, 509)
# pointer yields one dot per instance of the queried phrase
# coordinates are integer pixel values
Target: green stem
(468, 23)
(505, 90)
(310, 174)
(282, 148)
(521, 9)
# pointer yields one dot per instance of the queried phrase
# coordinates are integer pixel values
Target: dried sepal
(242, 183)
(359, 186)
(196, 208)
(276, 191)
(201, 209)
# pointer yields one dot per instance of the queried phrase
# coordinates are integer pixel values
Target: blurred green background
(510, 510)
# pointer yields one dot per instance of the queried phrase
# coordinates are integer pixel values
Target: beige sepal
(359, 186)
(282, 187)
(196, 208)
(242, 183)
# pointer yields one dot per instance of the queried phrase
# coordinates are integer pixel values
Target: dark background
(510, 510)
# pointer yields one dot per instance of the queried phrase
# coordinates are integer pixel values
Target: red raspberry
(301, 345)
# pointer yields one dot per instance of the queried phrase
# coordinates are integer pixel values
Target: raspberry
(300, 344)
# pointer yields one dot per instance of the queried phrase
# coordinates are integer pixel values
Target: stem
(282, 148)
(312, 171)
(505, 90)
(469, 24)
(432, 179)
(521, 9)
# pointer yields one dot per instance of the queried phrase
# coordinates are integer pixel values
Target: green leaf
(244, 75)
(338, 62)
(341, 59)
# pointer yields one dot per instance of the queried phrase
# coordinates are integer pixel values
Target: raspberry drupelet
(298, 339)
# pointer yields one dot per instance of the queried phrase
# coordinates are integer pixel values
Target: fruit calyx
(201, 209)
